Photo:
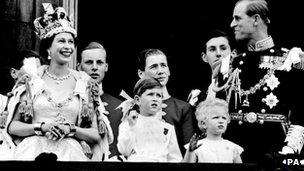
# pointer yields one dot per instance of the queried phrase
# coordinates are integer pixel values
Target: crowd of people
(250, 110)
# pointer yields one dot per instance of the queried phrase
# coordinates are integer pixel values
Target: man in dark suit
(94, 62)
(153, 63)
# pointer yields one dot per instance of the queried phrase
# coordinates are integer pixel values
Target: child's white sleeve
(237, 151)
(174, 154)
(126, 139)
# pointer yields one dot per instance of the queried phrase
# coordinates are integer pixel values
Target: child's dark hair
(144, 84)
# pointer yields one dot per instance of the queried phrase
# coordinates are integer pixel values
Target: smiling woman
(59, 111)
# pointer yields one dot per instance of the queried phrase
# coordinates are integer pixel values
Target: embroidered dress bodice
(217, 151)
(58, 103)
(53, 105)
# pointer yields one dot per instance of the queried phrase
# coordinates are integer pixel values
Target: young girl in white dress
(144, 137)
(213, 117)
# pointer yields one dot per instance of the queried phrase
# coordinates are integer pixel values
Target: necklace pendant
(246, 102)
(59, 105)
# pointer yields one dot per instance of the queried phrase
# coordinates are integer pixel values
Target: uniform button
(265, 88)
(263, 110)
(240, 111)
(244, 54)
(241, 62)
(271, 51)
(9, 94)
(261, 121)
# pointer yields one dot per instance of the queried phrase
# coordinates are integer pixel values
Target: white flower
(272, 82)
(271, 100)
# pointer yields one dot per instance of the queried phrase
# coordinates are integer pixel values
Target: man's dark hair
(258, 7)
(213, 34)
(17, 62)
(143, 55)
(92, 45)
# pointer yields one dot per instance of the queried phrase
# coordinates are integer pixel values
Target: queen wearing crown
(57, 109)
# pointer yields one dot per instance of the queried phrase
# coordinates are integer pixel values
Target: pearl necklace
(57, 79)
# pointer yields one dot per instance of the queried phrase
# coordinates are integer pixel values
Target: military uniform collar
(262, 45)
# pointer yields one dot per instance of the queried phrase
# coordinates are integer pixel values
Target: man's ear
(140, 73)
(137, 100)
(106, 67)
(14, 73)
(204, 57)
(257, 19)
(169, 73)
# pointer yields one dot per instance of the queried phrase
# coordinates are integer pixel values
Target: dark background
(178, 29)
(125, 28)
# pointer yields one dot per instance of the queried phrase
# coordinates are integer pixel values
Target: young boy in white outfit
(144, 137)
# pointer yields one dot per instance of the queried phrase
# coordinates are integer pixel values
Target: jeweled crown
(53, 22)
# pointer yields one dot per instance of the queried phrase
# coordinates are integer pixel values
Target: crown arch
(71, 7)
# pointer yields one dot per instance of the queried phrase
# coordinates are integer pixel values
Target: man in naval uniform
(263, 88)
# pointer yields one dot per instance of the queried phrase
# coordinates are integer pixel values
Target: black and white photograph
(154, 85)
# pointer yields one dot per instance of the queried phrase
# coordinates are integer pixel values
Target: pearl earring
(49, 55)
